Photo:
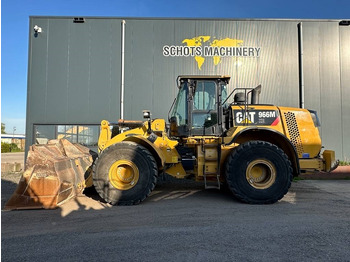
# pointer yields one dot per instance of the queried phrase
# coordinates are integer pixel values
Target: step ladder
(211, 184)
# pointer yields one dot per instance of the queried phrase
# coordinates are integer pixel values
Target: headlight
(314, 117)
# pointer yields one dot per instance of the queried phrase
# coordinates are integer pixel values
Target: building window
(43, 133)
(86, 135)
(68, 132)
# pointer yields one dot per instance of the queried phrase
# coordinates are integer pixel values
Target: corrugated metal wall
(74, 68)
(149, 73)
(326, 72)
(344, 32)
(73, 73)
(70, 64)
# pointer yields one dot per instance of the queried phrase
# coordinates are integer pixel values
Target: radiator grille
(293, 131)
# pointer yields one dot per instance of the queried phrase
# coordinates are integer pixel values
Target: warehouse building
(19, 140)
(85, 69)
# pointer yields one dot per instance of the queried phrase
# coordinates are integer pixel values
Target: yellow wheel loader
(213, 136)
(216, 138)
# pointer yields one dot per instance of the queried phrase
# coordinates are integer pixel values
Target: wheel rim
(123, 174)
(261, 174)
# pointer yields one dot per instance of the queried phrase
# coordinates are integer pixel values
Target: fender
(274, 137)
(155, 151)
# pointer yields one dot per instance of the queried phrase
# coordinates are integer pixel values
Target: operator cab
(198, 108)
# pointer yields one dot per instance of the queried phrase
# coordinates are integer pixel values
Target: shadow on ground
(167, 189)
(7, 188)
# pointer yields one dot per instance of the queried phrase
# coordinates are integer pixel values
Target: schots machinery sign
(201, 47)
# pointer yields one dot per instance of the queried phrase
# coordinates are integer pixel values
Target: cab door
(203, 107)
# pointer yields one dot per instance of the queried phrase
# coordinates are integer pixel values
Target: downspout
(122, 72)
(301, 66)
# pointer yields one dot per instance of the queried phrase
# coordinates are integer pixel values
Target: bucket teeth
(54, 173)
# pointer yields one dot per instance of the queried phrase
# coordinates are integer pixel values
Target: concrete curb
(11, 167)
(341, 172)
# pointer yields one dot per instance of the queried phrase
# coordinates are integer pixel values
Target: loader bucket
(54, 173)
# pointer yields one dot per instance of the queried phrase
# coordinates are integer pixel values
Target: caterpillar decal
(256, 117)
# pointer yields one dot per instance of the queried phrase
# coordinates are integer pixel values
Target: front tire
(258, 172)
(125, 173)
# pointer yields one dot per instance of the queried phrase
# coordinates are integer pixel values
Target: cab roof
(223, 77)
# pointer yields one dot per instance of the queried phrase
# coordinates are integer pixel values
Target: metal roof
(204, 77)
(195, 18)
(13, 136)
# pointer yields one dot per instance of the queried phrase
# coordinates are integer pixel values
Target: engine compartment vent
(293, 131)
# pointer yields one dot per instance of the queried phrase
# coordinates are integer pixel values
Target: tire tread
(154, 171)
(233, 187)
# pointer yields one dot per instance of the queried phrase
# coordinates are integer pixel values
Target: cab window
(205, 96)
(204, 105)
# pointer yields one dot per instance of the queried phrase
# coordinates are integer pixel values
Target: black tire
(258, 172)
(137, 158)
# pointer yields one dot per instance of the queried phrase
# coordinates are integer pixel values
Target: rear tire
(125, 173)
(258, 172)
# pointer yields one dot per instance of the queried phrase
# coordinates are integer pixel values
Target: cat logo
(246, 118)
(256, 117)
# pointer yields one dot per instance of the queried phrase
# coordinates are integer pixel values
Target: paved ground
(183, 222)
(12, 158)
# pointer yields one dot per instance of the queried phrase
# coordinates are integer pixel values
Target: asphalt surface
(184, 222)
(12, 158)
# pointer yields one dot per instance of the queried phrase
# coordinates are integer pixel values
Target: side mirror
(191, 90)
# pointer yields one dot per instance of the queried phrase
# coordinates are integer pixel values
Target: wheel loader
(213, 136)
(254, 149)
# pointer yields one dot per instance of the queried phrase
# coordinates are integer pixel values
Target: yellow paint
(200, 61)
(261, 173)
(89, 181)
(310, 139)
(177, 171)
(237, 129)
(105, 135)
(163, 146)
(311, 164)
(227, 42)
(329, 157)
(247, 121)
(309, 142)
(222, 43)
(197, 41)
(167, 149)
(123, 174)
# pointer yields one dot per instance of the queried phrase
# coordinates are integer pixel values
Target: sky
(15, 29)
